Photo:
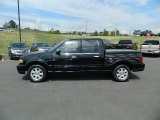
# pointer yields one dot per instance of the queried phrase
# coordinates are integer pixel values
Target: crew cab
(126, 44)
(81, 55)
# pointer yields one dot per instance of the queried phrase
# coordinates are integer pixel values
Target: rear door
(92, 55)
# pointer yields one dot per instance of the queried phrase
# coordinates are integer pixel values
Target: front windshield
(55, 47)
(42, 45)
(18, 45)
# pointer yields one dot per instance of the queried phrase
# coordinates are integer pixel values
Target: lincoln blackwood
(81, 55)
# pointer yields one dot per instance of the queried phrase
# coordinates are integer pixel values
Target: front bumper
(16, 55)
(21, 69)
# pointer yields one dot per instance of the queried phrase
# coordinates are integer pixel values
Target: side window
(90, 46)
(70, 47)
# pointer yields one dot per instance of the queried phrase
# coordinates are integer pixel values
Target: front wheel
(121, 73)
(37, 73)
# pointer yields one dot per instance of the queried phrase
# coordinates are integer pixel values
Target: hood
(19, 48)
(44, 47)
(34, 56)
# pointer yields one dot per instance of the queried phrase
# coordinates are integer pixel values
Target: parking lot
(80, 96)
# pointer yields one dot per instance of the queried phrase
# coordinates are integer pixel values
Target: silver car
(17, 49)
(151, 47)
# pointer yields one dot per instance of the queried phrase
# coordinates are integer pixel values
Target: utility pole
(86, 27)
(116, 28)
(19, 21)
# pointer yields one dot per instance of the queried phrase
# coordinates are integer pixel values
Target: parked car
(126, 44)
(81, 55)
(151, 47)
(108, 44)
(40, 46)
(55, 43)
(16, 50)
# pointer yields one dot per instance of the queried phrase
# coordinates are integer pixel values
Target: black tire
(121, 73)
(10, 57)
(37, 73)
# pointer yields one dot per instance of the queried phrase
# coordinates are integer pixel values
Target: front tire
(37, 73)
(121, 73)
(10, 57)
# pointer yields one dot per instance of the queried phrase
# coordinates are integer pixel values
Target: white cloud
(142, 2)
(99, 13)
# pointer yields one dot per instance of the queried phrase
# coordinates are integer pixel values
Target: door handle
(96, 56)
(73, 57)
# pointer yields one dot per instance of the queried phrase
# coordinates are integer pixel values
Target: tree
(137, 32)
(10, 24)
(144, 33)
(54, 31)
(112, 33)
(95, 33)
(105, 33)
(158, 34)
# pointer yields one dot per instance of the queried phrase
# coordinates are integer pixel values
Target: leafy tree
(10, 24)
(117, 32)
(105, 33)
(112, 33)
(144, 33)
(95, 33)
(54, 31)
(137, 32)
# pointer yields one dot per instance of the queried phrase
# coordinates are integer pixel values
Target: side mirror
(58, 51)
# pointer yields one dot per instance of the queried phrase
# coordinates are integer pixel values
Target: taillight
(141, 47)
(141, 59)
(128, 46)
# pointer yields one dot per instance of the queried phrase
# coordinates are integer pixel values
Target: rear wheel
(37, 73)
(121, 73)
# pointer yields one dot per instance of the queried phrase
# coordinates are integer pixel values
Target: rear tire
(121, 73)
(37, 73)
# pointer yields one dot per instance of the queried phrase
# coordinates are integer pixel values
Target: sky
(84, 15)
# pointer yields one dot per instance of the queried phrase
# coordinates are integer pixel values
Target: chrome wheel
(36, 74)
(122, 74)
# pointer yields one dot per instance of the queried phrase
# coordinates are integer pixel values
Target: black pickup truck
(80, 55)
(126, 44)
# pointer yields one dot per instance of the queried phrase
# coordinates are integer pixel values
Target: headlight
(13, 51)
(20, 61)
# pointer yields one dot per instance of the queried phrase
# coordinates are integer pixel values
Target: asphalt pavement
(90, 96)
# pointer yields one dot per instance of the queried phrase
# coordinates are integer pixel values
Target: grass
(32, 36)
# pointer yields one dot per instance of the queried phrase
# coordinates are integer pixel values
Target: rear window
(152, 42)
(125, 42)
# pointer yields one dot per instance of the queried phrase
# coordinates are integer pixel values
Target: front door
(67, 58)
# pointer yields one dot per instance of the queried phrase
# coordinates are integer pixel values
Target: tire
(121, 73)
(10, 57)
(37, 73)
